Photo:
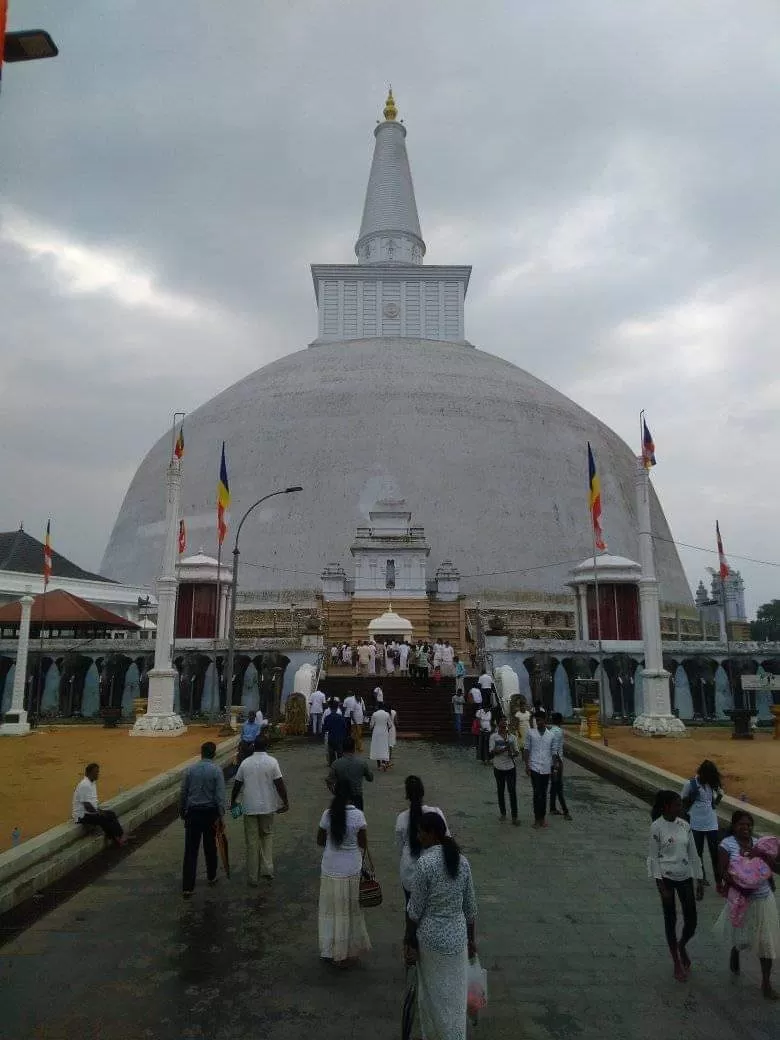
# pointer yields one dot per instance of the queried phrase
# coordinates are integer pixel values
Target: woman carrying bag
(344, 837)
(440, 935)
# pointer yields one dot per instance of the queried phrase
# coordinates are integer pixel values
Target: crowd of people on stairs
(421, 661)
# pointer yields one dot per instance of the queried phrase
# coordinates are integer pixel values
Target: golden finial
(390, 111)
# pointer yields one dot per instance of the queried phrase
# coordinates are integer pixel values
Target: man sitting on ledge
(86, 809)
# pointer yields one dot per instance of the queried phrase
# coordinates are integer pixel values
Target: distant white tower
(734, 587)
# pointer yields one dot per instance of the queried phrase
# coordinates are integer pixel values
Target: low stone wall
(644, 780)
(32, 866)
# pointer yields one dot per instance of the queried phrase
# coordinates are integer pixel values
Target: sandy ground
(749, 767)
(38, 773)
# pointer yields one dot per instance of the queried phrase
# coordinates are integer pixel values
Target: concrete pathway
(569, 928)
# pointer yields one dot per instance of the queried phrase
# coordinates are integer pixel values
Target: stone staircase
(423, 712)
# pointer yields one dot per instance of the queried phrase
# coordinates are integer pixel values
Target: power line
(714, 552)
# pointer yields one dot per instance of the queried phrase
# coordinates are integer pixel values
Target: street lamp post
(229, 683)
(24, 44)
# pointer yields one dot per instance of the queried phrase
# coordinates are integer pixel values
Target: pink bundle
(748, 873)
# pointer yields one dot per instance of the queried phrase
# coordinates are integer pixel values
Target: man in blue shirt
(335, 729)
(201, 806)
(250, 731)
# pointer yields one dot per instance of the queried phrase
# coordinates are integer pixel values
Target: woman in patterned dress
(440, 935)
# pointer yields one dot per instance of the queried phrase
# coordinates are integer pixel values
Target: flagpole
(728, 641)
(598, 633)
(39, 699)
(216, 625)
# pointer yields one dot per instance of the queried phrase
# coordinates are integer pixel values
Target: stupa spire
(390, 111)
(390, 228)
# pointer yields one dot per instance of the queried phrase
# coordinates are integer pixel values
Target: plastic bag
(477, 988)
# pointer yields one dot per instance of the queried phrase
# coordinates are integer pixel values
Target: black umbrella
(410, 1002)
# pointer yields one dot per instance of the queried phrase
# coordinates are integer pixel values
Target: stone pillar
(160, 719)
(656, 718)
(225, 612)
(15, 722)
(582, 613)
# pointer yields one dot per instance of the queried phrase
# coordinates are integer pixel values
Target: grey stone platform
(569, 928)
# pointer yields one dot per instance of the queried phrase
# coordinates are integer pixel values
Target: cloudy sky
(609, 167)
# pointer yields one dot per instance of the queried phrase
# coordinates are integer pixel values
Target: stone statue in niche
(391, 247)
(390, 574)
(415, 254)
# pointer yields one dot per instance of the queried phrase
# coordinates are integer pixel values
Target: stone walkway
(569, 929)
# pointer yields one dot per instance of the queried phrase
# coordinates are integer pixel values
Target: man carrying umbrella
(201, 806)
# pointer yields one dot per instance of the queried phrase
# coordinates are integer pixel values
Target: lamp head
(289, 490)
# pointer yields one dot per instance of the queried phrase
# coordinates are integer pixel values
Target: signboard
(585, 691)
(760, 682)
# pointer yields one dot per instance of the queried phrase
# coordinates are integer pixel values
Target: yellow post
(775, 709)
(591, 713)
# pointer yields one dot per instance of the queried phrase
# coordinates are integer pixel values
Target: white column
(656, 718)
(16, 724)
(583, 631)
(160, 718)
(225, 623)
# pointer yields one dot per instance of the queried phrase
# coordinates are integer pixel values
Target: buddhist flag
(182, 537)
(47, 555)
(223, 498)
(178, 449)
(724, 567)
(595, 502)
(648, 447)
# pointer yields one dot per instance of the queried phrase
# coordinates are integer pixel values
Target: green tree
(767, 623)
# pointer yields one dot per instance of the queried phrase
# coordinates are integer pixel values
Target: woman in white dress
(380, 738)
(343, 836)
(389, 659)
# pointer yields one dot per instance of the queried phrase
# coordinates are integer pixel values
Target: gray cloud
(609, 169)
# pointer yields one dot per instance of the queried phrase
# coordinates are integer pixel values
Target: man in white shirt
(263, 795)
(540, 755)
(503, 751)
(485, 683)
(364, 658)
(316, 708)
(485, 719)
(348, 705)
(86, 808)
(358, 720)
(354, 714)
(447, 659)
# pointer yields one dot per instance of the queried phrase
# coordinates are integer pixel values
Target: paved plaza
(569, 928)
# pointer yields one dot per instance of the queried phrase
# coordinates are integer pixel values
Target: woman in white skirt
(440, 937)
(760, 930)
(343, 835)
(380, 738)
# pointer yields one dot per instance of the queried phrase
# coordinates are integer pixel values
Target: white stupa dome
(392, 402)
